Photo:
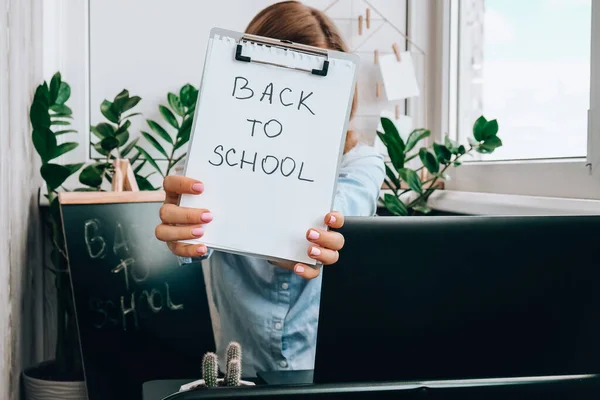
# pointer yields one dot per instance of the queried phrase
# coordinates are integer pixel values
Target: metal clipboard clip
(286, 45)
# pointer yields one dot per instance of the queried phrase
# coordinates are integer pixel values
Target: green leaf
(149, 158)
(140, 166)
(92, 175)
(122, 137)
(127, 149)
(175, 104)
(188, 95)
(64, 148)
(60, 122)
(119, 101)
(54, 87)
(131, 115)
(44, 142)
(175, 161)
(479, 127)
(99, 149)
(429, 160)
(56, 116)
(442, 153)
(451, 145)
(394, 205)
(415, 137)
(461, 150)
(183, 135)
(65, 131)
(109, 114)
(73, 167)
(394, 150)
(457, 163)
(105, 129)
(490, 130)
(38, 114)
(155, 143)
(144, 183)
(412, 179)
(168, 116)
(390, 131)
(42, 94)
(123, 128)
(392, 176)
(133, 159)
(109, 143)
(54, 175)
(490, 145)
(159, 131)
(61, 109)
(130, 103)
(64, 92)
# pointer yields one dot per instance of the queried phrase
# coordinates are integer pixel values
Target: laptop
(461, 297)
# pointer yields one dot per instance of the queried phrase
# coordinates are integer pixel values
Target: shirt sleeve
(359, 182)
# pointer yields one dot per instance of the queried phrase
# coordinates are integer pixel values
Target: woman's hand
(179, 223)
(324, 247)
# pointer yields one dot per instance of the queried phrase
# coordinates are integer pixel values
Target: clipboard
(283, 61)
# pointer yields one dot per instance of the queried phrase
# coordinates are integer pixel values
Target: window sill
(509, 204)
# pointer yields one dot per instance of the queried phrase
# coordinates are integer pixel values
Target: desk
(577, 387)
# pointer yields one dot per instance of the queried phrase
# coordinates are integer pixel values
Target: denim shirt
(270, 311)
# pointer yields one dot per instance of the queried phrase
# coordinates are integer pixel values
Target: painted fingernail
(198, 231)
(315, 251)
(206, 217)
(201, 249)
(332, 219)
(299, 269)
(198, 187)
(313, 235)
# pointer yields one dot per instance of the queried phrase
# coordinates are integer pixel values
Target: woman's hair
(296, 22)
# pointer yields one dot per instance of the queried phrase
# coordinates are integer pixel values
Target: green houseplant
(436, 158)
(62, 377)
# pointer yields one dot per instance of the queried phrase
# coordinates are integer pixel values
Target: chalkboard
(141, 315)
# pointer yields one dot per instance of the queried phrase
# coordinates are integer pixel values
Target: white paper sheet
(300, 127)
(399, 78)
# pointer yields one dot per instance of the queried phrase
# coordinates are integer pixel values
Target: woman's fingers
(326, 256)
(169, 233)
(172, 214)
(176, 185)
(328, 239)
(187, 250)
(306, 272)
(334, 219)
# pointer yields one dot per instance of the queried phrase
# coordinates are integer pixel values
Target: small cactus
(234, 372)
(234, 350)
(210, 370)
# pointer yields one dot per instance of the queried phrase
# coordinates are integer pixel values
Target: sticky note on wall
(399, 78)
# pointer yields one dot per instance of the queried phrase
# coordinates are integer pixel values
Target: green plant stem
(431, 188)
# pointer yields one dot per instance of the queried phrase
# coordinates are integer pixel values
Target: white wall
(20, 244)
(151, 47)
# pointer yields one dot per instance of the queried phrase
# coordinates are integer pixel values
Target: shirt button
(278, 325)
(285, 286)
(283, 364)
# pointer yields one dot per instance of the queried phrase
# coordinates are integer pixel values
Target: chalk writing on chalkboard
(136, 303)
(272, 128)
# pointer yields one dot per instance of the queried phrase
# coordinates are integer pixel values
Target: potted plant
(210, 371)
(436, 159)
(62, 377)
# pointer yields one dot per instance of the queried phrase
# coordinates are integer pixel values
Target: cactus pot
(199, 384)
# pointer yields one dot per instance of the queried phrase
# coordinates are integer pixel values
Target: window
(528, 64)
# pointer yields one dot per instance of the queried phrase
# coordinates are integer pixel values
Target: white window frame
(553, 186)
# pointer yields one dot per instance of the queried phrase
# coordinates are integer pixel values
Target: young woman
(272, 310)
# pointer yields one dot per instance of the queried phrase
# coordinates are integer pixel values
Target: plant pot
(43, 382)
(199, 384)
